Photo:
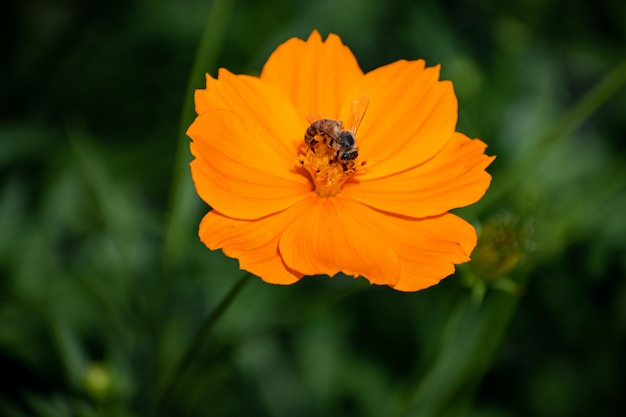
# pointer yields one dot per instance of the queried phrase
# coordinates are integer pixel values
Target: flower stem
(518, 169)
(182, 202)
(196, 345)
(472, 335)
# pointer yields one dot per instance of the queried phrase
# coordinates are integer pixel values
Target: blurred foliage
(92, 322)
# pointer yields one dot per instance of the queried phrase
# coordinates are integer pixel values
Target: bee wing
(359, 107)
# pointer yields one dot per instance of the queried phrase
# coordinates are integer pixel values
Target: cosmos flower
(369, 196)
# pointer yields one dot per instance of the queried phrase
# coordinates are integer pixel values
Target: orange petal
(333, 237)
(427, 248)
(411, 116)
(253, 242)
(455, 177)
(263, 106)
(339, 234)
(237, 172)
(314, 75)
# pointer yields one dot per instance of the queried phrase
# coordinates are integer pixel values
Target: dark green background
(91, 98)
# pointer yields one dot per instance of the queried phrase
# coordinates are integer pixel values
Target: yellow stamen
(328, 173)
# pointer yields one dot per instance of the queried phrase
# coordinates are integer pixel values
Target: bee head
(350, 155)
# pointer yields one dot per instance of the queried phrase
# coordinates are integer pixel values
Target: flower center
(330, 156)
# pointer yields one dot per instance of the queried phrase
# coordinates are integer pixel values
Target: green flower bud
(98, 381)
(503, 242)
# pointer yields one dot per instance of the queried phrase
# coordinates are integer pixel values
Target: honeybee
(342, 141)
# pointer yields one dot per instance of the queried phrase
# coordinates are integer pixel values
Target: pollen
(328, 173)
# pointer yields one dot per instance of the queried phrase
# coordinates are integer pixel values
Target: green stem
(518, 169)
(474, 332)
(196, 345)
(183, 202)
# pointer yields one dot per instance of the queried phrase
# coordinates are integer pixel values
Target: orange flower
(286, 208)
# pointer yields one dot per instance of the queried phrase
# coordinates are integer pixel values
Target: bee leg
(312, 144)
